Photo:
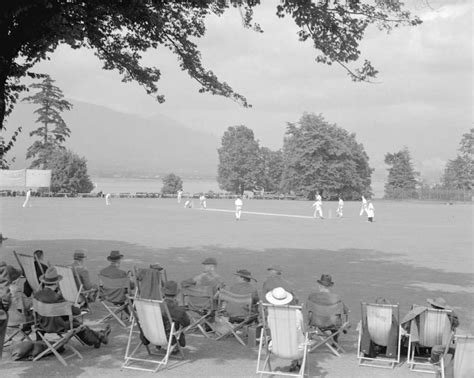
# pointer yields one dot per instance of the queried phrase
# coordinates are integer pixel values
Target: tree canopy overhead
(120, 31)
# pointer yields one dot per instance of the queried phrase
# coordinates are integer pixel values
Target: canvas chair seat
(380, 325)
(62, 338)
(238, 308)
(281, 338)
(115, 310)
(148, 325)
(69, 287)
(27, 265)
(200, 306)
(434, 329)
(326, 323)
(463, 364)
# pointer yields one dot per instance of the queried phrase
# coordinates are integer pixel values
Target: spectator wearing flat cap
(207, 278)
(178, 313)
(116, 296)
(275, 279)
(83, 274)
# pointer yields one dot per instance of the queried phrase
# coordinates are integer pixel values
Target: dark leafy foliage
(69, 172)
(272, 169)
(459, 173)
(120, 31)
(320, 157)
(53, 130)
(171, 184)
(401, 181)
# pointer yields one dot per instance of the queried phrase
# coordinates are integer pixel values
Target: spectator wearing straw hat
(83, 274)
(116, 296)
(275, 279)
(51, 294)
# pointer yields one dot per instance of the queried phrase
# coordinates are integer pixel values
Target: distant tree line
(316, 157)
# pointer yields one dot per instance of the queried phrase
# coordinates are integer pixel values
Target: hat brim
(271, 299)
(327, 284)
(114, 258)
(248, 277)
(57, 279)
(434, 303)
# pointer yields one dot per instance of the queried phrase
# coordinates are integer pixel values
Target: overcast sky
(422, 98)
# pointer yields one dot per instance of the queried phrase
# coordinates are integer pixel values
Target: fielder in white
(27, 199)
(370, 212)
(107, 199)
(363, 208)
(238, 208)
(340, 206)
(318, 207)
(202, 201)
(180, 193)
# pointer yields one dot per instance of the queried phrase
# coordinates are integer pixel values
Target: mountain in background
(123, 144)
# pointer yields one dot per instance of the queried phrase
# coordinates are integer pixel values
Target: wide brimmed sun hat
(245, 274)
(51, 276)
(114, 256)
(279, 296)
(439, 302)
(326, 280)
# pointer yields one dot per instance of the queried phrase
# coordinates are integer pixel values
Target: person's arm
(86, 281)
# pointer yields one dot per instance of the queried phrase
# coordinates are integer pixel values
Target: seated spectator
(279, 296)
(411, 322)
(5, 301)
(83, 273)
(323, 296)
(275, 279)
(244, 286)
(51, 294)
(115, 296)
(207, 278)
(178, 313)
(40, 268)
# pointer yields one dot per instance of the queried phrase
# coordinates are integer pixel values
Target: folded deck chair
(326, 323)
(150, 282)
(463, 364)
(115, 311)
(63, 338)
(149, 331)
(279, 337)
(27, 265)
(200, 306)
(434, 328)
(238, 308)
(380, 325)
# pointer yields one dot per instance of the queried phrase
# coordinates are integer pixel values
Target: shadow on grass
(359, 275)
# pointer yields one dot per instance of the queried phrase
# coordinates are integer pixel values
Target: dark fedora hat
(156, 266)
(244, 273)
(51, 276)
(114, 256)
(326, 280)
(79, 254)
(276, 268)
(209, 261)
(170, 288)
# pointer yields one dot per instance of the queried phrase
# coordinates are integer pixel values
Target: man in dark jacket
(115, 296)
(40, 268)
(51, 294)
(178, 313)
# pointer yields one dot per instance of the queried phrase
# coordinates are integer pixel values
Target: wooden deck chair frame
(322, 329)
(163, 279)
(199, 303)
(434, 329)
(114, 311)
(21, 327)
(380, 330)
(148, 322)
(240, 300)
(276, 319)
(51, 310)
(27, 265)
(463, 363)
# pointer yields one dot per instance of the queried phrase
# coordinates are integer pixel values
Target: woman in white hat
(281, 297)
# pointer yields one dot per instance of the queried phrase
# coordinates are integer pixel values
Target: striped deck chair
(150, 282)
(463, 364)
(68, 285)
(27, 265)
(326, 323)
(114, 311)
(238, 308)
(280, 327)
(434, 329)
(63, 338)
(200, 306)
(148, 327)
(378, 321)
